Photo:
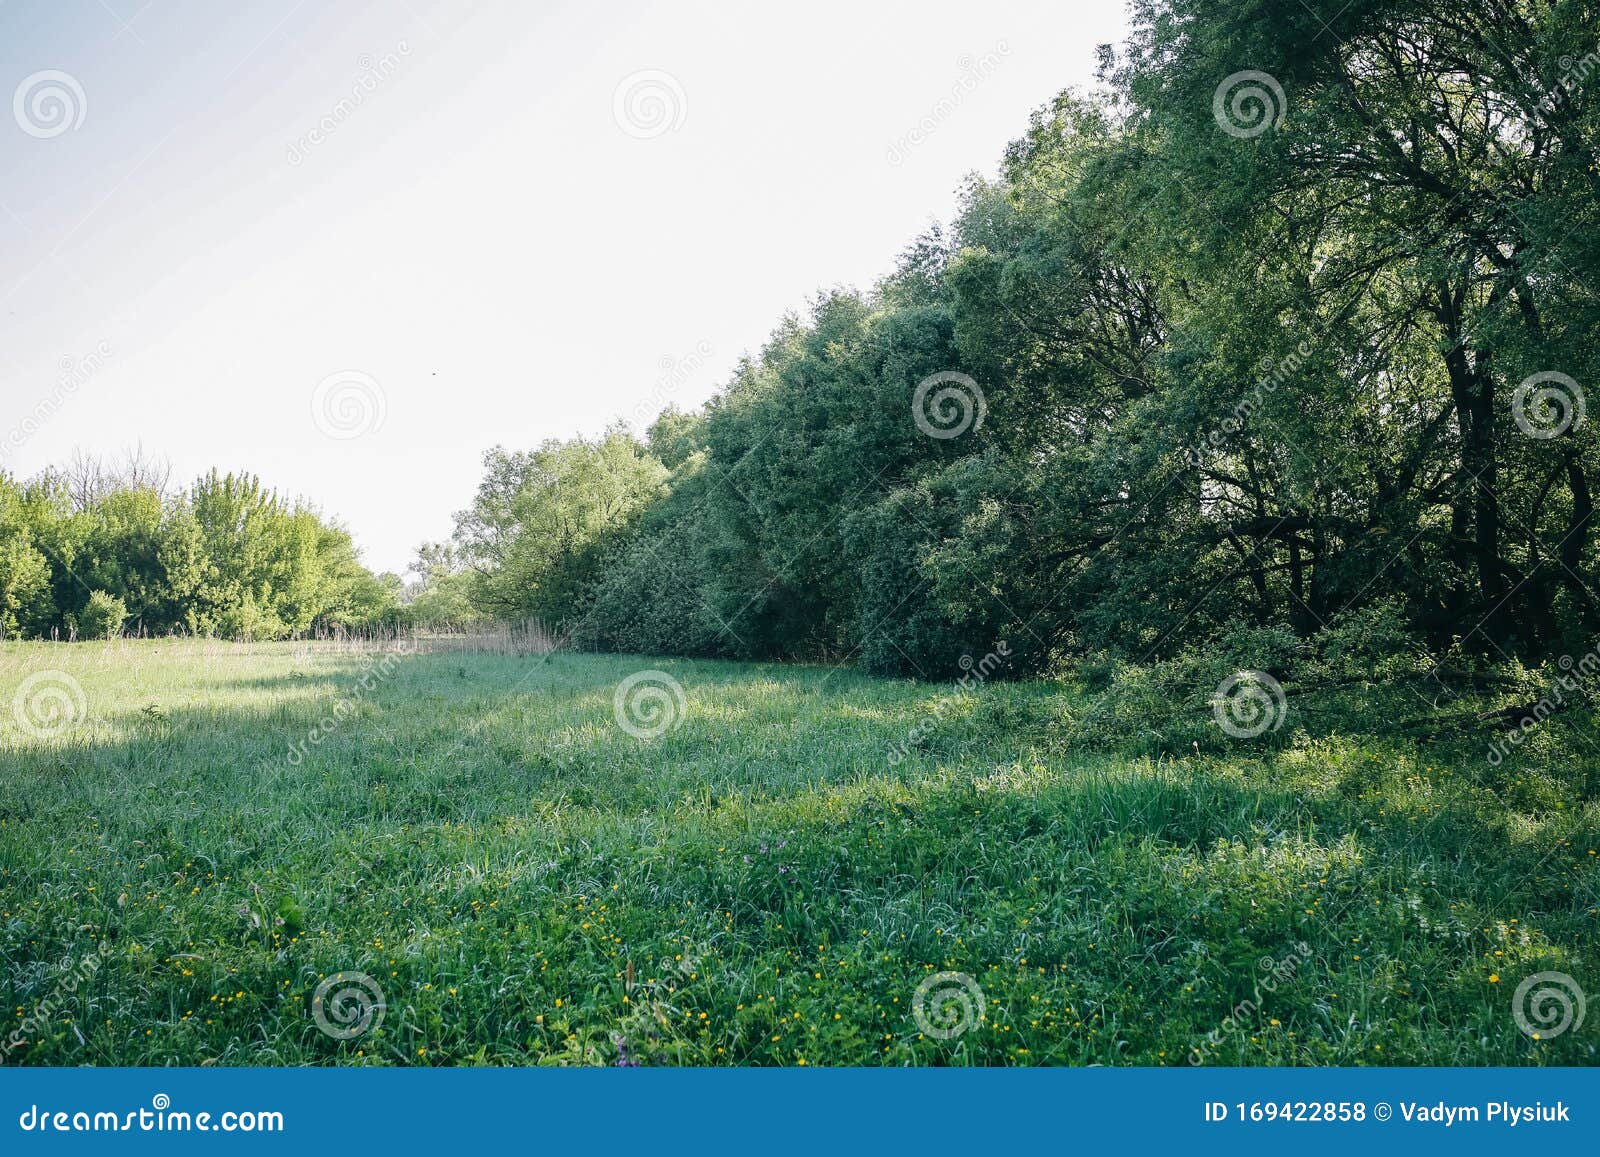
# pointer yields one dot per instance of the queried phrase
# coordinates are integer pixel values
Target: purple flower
(623, 1061)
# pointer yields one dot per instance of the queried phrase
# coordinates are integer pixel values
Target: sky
(349, 246)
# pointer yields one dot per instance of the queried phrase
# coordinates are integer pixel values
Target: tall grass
(529, 882)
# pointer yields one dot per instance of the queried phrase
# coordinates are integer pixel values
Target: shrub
(102, 617)
(917, 611)
(1173, 705)
(651, 601)
(1373, 643)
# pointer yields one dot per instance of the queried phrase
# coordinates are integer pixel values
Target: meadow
(763, 872)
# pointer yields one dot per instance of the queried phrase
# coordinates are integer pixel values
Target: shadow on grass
(438, 831)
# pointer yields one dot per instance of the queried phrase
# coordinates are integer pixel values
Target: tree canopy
(1287, 325)
(87, 551)
(1284, 328)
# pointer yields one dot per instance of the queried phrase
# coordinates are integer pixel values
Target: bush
(102, 617)
(652, 600)
(1178, 704)
(1373, 643)
(901, 626)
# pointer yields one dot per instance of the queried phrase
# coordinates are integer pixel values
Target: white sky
(479, 236)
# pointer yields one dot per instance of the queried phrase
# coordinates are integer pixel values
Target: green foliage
(441, 596)
(905, 626)
(652, 598)
(225, 557)
(24, 571)
(530, 884)
(546, 523)
(675, 437)
(102, 616)
(1232, 379)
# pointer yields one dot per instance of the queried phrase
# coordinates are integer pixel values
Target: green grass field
(767, 882)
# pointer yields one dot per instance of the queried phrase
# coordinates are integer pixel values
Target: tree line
(92, 550)
(1280, 332)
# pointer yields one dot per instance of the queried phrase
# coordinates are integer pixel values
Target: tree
(545, 523)
(24, 571)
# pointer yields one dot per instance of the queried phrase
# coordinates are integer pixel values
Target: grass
(767, 882)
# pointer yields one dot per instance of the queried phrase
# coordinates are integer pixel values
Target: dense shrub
(102, 616)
